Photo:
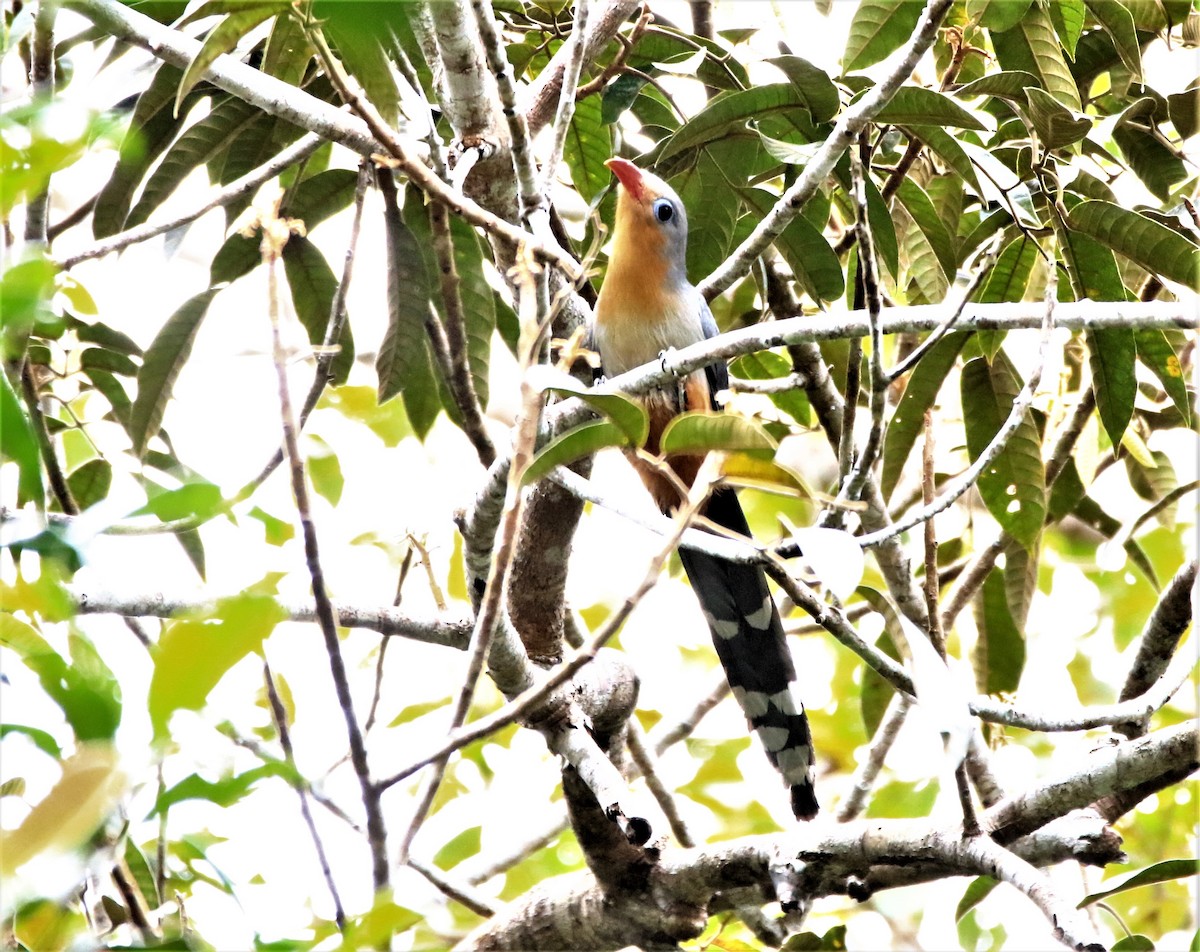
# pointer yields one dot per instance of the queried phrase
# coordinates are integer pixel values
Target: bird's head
(651, 224)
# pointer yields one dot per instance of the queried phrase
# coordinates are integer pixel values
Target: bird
(647, 307)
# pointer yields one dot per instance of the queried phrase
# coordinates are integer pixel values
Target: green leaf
(1056, 125)
(566, 448)
(902, 799)
(997, 15)
(404, 364)
(462, 846)
(813, 83)
(804, 248)
(927, 218)
(883, 229)
(587, 147)
(618, 96)
(714, 205)
(1007, 282)
(1118, 23)
(152, 128)
(1184, 110)
(1133, 943)
(1158, 873)
(1014, 486)
(1033, 46)
(18, 444)
(313, 286)
(715, 120)
(200, 500)
(919, 395)
(946, 147)
(288, 51)
(1155, 351)
(98, 357)
(90, 482)
(975, 893)
(26, 289)
(918, 106)
(1006, 84)
(325, 471)
(160, 368)
(413, 711)
(1067, 17)
(143, 876)
(107, 337)
(224, 792)
(199, 144)
(1156, 163)
(999, 655)
(41, 740)
(478, 301)
(1112, 355)
(85, 689)
(699, 432)
(360, 30)
(768, 365)
(879, 28)
(278, 531)
(193, 654)
(223, 38)
(1155, 247)
(628, 414)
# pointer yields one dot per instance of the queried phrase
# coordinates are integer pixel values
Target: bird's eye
(664, 211)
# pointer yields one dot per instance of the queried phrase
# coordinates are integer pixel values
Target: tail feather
(749, 639)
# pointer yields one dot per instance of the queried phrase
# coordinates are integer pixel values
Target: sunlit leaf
(699, 432)
(1157, 873)
(879, 28)
(575, 444)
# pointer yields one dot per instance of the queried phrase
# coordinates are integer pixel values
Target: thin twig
(239, 188)
(461, 893)
(566, 98)
(868, 770)
(279, 716)
(937, 634)
(54, 470)
(275, 234)
(666, 802)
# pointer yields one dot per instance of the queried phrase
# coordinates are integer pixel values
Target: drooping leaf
(628, 414)
(919, 395)
(575, 444)
(1007, 282)
(1118, 23)
(360, 31)
(1155, 351)
(18, 445)
(879, 28)
(223, 38)
(1111, 356)
(999, 655)
(1068, 17)
(947, 148)
(404, 364)
(199, 144)
(923, 213)
(1013, 487)
(152, 128)
(974, 894)
(479, 301)
(1156, 163)
(313, 285)
(587, 146)
(805, 250)
(161, 366)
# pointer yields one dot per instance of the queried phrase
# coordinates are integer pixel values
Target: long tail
(749, 639)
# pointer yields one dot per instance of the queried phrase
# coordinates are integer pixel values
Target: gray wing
(717, 373)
